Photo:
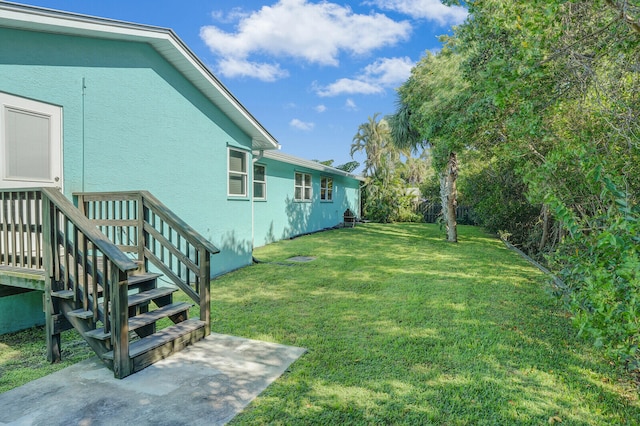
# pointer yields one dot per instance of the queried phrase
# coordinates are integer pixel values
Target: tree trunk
(452, 195)
(545, 228)
(444, 196)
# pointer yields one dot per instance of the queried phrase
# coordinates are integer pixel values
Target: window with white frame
(259, 182)
(302, 187)
(326, 188)
(30, 143)
(237, 185)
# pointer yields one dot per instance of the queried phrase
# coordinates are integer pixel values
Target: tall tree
(414, 170)
(427, 111)
(373, 138)
(349, 166)
(385, 198)
(556, 96)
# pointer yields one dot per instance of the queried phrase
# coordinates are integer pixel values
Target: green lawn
(404, 328)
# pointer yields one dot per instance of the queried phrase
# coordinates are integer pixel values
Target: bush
(386, 201)
(600, 263)
(496, 196)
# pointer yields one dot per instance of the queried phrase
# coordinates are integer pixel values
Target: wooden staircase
(146, 344)
(95, 262)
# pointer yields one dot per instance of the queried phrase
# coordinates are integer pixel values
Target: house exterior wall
(21, 311)
(279, 216)
(131, 121)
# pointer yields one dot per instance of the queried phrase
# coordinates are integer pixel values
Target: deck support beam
(205, 289)
(122, 365)
(50, 307)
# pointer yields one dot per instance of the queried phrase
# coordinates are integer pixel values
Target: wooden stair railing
(21, 229)
(92, 285)
(71, 248)
(137, 223)
(43, 231)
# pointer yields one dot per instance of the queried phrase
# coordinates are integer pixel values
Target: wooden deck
(31, 279)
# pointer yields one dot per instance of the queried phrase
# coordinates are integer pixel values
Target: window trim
(261, 182)
(10, 103)
(244, 175)
(303, 187)
(326, 189)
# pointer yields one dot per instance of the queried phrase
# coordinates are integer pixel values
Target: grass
(23, 356)
(404, 328)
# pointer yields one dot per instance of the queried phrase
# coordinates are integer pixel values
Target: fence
(432, 211)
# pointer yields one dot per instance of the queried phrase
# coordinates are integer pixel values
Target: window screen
(237, 173)
(27, 145)
(302, 187)
(326, 189)
(259, 182)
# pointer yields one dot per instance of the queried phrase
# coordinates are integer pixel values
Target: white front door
(30, 143)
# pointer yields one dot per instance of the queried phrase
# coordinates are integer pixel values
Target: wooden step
(134, 281)
(98, 334)
(150, 317)
(177, 336)
(134, 300)
(81, 313)
(63, 294)
(145, 319)
(149, 295)
(137, 279)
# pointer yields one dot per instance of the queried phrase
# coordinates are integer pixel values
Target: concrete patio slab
(207, 383)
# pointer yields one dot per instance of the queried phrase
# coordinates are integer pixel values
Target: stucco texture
(131, 121)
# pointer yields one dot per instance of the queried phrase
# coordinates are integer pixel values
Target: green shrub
(600, 263)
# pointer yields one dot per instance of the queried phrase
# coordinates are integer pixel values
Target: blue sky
(310, 71)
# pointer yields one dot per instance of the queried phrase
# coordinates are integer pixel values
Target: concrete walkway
(205, 384)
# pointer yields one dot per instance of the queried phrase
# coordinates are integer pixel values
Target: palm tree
(403, 134)
(415, 170)
(381, 189)
(374, 139)
(406, 137)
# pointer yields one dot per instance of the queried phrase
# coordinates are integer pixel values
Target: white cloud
(375, 78)
(233, 16)
(301, 125)
(432, 10)
(350, 105)
(349, 86)
(233, 67)
(313, 32)
(320, 108)
(389, 72)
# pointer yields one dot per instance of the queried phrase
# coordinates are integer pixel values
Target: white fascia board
(163, 40)
(313, 165)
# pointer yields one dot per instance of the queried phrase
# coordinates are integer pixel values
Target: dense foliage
(387, 195)
(545, 95)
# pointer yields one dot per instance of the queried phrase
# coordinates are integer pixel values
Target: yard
(401, 327)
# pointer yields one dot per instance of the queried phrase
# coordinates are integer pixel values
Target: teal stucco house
(92, 106)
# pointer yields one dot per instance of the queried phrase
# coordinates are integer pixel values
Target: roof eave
(314, 165)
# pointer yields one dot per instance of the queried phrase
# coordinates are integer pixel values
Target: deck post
(122, 365)
(142, 234)
(205, 289)
(50, 306)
